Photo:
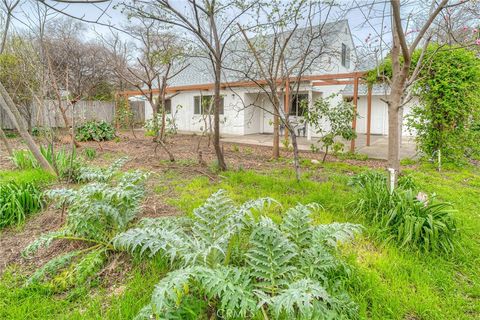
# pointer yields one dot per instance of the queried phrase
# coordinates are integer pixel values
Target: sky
(108, 13)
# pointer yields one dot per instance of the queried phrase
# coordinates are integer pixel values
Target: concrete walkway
(378, 148)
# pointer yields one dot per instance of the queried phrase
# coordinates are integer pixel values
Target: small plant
(17, 201)
(65, 162)
(95, 131)
(314, 148)
(337, 148)
(89, 174)
(339, 118)
(41, 132)
(235, 148)
(405, 216)
(11, 134)
(248, 150)
(97, 212)
(245, 265)
(90, 153)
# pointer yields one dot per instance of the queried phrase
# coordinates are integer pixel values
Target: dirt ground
(140, 151)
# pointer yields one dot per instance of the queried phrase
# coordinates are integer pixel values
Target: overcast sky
(107, 14)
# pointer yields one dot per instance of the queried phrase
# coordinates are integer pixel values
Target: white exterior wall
(231, 122)
(249, 112)
(379, 121)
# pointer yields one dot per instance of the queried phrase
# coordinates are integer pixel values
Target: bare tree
(8, 6)
(156, 58)
(289, 43)
(210, 22)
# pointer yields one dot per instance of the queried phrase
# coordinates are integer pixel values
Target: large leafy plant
(405, 216)
(244, 264)
(97, 212)
(95, 131)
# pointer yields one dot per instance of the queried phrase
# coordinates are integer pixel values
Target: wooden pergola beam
(339, 77)
(355, 107)
(331, 82)
(369, 113)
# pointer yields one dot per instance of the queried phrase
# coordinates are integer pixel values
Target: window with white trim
(205, 105)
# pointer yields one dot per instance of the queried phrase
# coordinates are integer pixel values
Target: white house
(247, 110)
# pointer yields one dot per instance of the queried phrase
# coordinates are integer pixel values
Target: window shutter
(168, 106)
(196, 105)
(221, 106)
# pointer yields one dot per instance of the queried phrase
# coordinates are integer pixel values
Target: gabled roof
(237, 56)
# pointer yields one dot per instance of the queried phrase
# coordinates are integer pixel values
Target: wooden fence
(48, 115)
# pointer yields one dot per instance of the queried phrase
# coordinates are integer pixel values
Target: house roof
(377, 90)
(237, 56)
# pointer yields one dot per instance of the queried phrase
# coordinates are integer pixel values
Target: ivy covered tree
(448, 91)
(338, 119)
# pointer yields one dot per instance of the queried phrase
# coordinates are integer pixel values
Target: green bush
(95, 214)
(95, 131)
(245, 265)
(405, 216)
(17, 201)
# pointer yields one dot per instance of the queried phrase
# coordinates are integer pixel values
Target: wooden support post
(355, 107)
(286, 105)
(369, 113)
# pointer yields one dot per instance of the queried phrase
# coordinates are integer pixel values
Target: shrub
(96, 213)
(88, 174)
(61, 160)
(246, 266)
(405, 216)
(95, 131)
(17, 201)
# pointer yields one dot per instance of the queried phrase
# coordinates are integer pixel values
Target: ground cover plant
(95, 131)
(96, 212)
(405, 216)
(246, 265)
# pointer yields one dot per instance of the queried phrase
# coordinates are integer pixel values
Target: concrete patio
(377, 150)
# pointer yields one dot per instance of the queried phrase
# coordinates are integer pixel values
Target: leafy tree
(338, 119)
(448, 90)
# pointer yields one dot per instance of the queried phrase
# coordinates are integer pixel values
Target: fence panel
(48, 114)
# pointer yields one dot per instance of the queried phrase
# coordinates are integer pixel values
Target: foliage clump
(246, 265)
(445, 119)
(448, 90)
(95, 131)
(96, 213)
(339, 119)
(65, 162)
(405, 216)
(17, 201)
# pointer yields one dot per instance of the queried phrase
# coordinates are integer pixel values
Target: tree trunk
(216, 119)
(14, 115)
(276, 127)
(4, 139)
(296, 157)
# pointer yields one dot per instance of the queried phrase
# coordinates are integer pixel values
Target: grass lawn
(386, 282)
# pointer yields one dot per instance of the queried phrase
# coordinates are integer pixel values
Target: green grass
(386, 282)
(121, 301)
(37, 176)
